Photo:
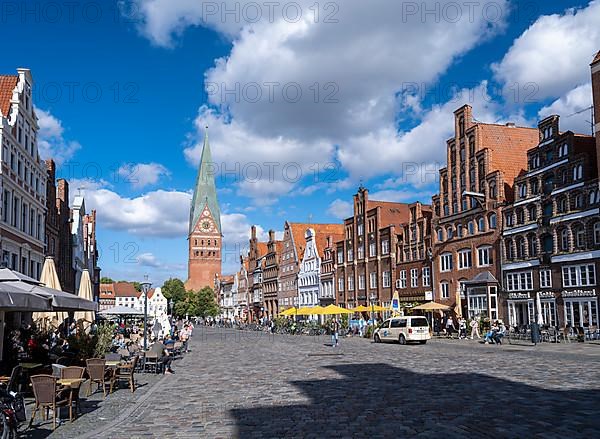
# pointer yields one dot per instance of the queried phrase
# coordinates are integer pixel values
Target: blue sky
(124, 90)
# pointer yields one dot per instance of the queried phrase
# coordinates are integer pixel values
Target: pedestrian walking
(475, 329)
(335, 329)
(462, 327)
(449, 326)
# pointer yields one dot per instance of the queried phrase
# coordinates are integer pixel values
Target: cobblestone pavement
(96, 412)
(251, 384)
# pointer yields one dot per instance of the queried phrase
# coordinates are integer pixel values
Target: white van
(403, 330)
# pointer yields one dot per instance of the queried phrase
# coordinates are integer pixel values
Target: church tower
(204, 238)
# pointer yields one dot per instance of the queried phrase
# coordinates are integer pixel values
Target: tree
(106, 280)
(197, 303)
(173, 289)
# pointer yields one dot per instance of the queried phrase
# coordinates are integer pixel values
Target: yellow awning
(333, 309)
(361, 308)
(288, 312)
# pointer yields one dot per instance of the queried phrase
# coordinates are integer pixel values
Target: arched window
(577, 172)
(532, 245)
(564, 240)
(597, 233)
(562, 205)
(594, 196)
(579, 233)
(578, 201)
(471, 227)
(459, 231)
(521, 247)
(509, 249)
(449, 233)
(471, 146)
(440, 235)
(493, 190)
(481, 224)
(532, 212)
(492, 221)
(520, 216)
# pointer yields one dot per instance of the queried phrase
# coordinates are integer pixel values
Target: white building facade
(310, 273)
(22, 179)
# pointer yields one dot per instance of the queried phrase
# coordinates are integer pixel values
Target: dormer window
(563, 150)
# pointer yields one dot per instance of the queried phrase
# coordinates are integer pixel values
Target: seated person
(164, 356)
(489, 336)
(497, 337)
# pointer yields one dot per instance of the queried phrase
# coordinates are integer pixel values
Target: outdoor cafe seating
(48, 396)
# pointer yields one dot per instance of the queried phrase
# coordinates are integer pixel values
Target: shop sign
(519, 296)
(547, 295)
(580, 293)
(428, 295)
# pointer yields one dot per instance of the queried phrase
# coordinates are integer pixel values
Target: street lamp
(145, 287)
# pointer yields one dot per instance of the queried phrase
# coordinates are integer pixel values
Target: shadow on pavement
(378, 400)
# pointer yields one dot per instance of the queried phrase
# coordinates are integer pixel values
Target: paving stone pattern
(255, 385)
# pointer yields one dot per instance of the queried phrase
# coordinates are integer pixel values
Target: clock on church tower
(205, 238)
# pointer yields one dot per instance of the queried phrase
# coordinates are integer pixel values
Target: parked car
(403, 330)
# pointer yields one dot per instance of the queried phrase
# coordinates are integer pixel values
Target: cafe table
(115, 363)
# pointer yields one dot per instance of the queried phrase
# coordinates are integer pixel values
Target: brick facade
(551, 237)
(365, 258)
(482, 162)
(414, 253)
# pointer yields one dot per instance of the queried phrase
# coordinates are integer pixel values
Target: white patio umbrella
(538, 307)
(85, 292)
(49, 278)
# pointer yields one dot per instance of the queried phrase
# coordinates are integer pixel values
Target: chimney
(51, 168)
(253, 232)
(329, 241)
(63, 190)
(510, 124)
(271, 235)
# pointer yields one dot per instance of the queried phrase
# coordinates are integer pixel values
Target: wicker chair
(125, 373)
(47, 396)
(73, 372)
(12, 382)
(96, 368)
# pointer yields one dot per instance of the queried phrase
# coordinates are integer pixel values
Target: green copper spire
(205, 192)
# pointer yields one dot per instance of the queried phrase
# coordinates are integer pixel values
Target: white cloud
(357, 62)
(140, 175)
(149, 260)
(340, 209)
(402, 196)
(51, 143)
(572, 108)
(553, 52)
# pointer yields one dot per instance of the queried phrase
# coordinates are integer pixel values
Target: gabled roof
(323, 231)
(205, 191)
(7, 85)
(483, 277)
(125, 289)
(597, 58)
(107, 291)
(297, 231)
(262, 249)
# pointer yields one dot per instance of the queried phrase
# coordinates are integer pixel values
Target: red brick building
(595, 66)
(551, 235)
(414, 255)
(482, 162)
(205, 238)
(107, 297)
(365, 259)
(256, 264)
(292, 251)
(270, 275)
(59, 243)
